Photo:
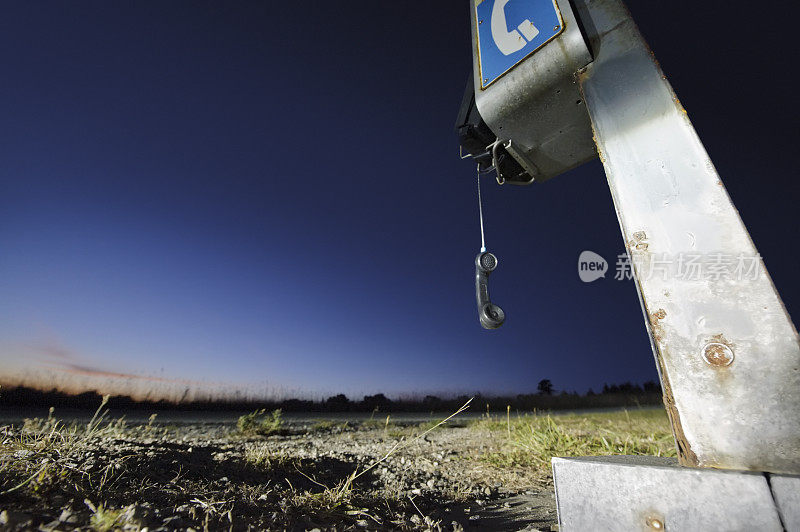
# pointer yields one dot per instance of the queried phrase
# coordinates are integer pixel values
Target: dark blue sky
(269, 195)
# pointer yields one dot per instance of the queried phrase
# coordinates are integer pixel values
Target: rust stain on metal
(654, 523)
(655, 327)
(640, 241)
(678, 103)
(652, 519)
(600, 153)
(722, 340)
(675, 99)
(717, 355)
(718, 352)
(686, 456)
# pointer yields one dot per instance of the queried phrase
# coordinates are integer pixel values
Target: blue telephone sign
(511, 30)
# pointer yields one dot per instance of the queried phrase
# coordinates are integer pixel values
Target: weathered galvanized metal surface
(537, 104)
(647, 493)
(727, 351)
(786, 493)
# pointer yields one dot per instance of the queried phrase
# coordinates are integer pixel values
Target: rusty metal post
(727, 352)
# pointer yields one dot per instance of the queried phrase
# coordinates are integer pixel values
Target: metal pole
(727, 352)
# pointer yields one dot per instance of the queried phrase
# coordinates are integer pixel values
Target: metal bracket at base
(653, 493)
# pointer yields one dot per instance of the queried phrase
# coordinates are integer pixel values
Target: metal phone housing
(536, 108)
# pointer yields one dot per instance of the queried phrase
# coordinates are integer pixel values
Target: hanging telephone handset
(489, 152)
(490, 315)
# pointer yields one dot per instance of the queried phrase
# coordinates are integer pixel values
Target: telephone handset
(490, 315)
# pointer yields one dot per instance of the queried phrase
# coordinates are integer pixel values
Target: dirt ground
(306, 476)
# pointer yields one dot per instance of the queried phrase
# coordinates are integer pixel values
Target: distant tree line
(547, 397)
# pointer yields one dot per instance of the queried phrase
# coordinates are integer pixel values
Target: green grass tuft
(259, 422)
(532, 440)
(105, 519)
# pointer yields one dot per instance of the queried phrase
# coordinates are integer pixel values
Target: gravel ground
(209, 476)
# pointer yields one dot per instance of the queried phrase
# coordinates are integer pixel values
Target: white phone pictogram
(512, 41)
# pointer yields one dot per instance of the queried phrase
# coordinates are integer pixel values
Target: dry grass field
(264, 473)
